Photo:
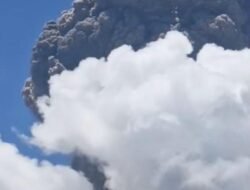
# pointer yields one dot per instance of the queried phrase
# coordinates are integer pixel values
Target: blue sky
(21, 23)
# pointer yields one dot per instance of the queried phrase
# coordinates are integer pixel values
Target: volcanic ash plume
(93, 28)
(155, 118)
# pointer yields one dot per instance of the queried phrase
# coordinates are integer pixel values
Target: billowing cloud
(157, 118)
(20, 172)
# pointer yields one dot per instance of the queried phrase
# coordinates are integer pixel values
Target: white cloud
(160, 119)
(20, 172)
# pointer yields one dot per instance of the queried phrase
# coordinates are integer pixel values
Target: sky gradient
(21, 24)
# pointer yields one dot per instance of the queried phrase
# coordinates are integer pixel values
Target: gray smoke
(93, 28)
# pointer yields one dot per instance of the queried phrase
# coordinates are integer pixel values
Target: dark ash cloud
(95, 27)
